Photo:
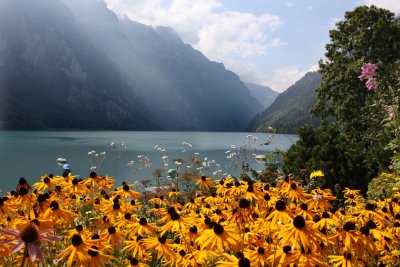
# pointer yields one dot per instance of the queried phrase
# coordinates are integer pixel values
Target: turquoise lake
(31, 154)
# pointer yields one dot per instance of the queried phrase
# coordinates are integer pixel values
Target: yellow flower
(316, 174)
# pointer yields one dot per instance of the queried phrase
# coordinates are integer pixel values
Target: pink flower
(368, 70)
(371, 84)
(390, 112)
(31, 237)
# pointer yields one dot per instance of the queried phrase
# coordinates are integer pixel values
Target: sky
(267, 42)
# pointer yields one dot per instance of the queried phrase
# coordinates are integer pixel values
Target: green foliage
(342, 160)
(367, 34)
(351, 151)
(383, 186)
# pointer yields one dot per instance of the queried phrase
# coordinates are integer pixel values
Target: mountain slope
(291, 109)
(265, 95)
(51, 76)
(75, 64)
(181, 88)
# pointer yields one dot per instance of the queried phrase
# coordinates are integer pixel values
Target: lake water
(31, 154)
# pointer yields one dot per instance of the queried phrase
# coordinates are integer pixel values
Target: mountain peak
(291, 109)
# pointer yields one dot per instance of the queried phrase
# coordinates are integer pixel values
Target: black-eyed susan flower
(142, 227)
(345, 260)
(204, 182)
(298, 235)
(59, 215)
(136, 248)
(284, 256)
(126, 192)
(161, 246)
(218, 238)
(77, 252)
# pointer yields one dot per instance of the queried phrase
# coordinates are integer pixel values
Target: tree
(342, 160)
(367, 34)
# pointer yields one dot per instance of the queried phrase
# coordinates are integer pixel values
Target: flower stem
(25, 255)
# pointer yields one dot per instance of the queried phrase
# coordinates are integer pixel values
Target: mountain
(52, 76)
(75, 64)
(291, 109)
(263, 94)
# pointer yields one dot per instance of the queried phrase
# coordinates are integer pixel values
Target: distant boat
(61, 161)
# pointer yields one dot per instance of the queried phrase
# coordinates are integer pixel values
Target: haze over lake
(31, 154)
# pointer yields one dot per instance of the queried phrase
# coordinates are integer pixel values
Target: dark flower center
(218, 212)
(75, 181)
(182, 253)
(266, 187)
(267, 197)
(287, 249)
(93, 175)
(41, 198)
(218, 229)
(76, 240)
(348, 256)
(280, 205)
(93, 251)
(46, 180)
(95, 237)
(133, 203)
(193, 229)
(371, 224)
(348, 226)
(127, 216)
(35, 222)
(134, 261)
(175, 216)
(54, 205)
(365, 230)
(112, 230)
(250, 189)
(138, 238)
(23, 191)
(162, 239)
(125, 187)
(142, 221)
(260, 250)
(299, 222)
(369, 206)
(244, 203)
(30, 233)
(79, 228)
(203, 178)
(171, 210)
(116, 206)
(293, 186)
(325, 215)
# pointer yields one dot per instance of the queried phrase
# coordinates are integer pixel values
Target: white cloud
(392, 5)
(215, 32)
(284, 77)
